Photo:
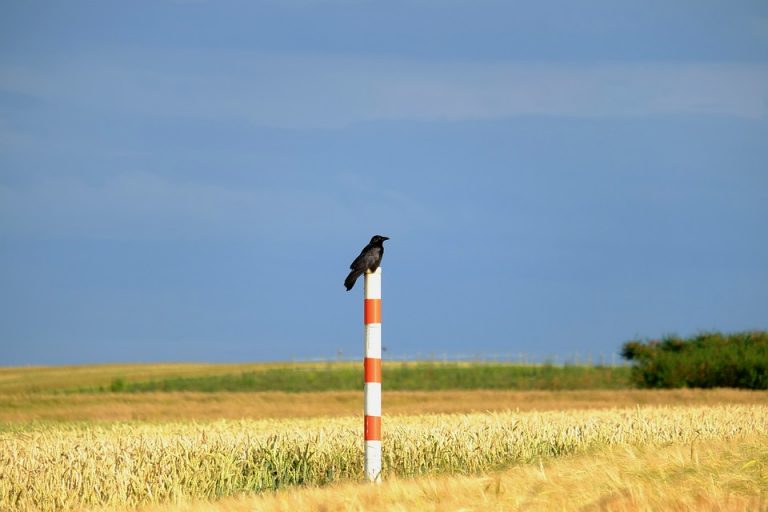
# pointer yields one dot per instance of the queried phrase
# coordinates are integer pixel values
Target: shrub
(706, 360)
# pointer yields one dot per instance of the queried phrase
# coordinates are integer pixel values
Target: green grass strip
(397, 377)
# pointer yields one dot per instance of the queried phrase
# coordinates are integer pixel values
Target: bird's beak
(385, 237)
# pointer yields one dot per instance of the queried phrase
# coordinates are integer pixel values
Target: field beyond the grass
(196, 406)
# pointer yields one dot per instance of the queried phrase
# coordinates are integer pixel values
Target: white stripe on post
(373, 461)
(372, 367)
(373, 340)
(373, 399)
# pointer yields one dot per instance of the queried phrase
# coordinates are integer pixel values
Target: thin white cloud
(142, 206)
(481, 92)
(330, 92)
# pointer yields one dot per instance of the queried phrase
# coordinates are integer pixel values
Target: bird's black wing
(364, 260)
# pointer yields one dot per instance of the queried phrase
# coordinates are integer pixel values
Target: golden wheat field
(57, 467)
(723, 476)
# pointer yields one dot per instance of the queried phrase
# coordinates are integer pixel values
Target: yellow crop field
(70, 466)
(714, 476)
(192, 406)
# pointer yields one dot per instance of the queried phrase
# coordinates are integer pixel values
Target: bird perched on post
(368, 261)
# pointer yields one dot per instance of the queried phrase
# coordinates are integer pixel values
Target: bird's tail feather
(349, 282)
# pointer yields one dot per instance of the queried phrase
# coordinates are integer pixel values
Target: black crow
(369, 260)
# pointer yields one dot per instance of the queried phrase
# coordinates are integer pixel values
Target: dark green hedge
(706, 360)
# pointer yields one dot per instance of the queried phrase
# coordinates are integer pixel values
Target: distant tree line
(706, 360)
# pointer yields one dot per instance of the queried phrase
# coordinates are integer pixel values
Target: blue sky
(189, 180)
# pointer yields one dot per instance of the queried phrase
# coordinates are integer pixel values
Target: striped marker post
(372, 364)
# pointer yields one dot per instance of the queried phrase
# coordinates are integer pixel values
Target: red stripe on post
(372, 369)
(372, 311)
(373, 428)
